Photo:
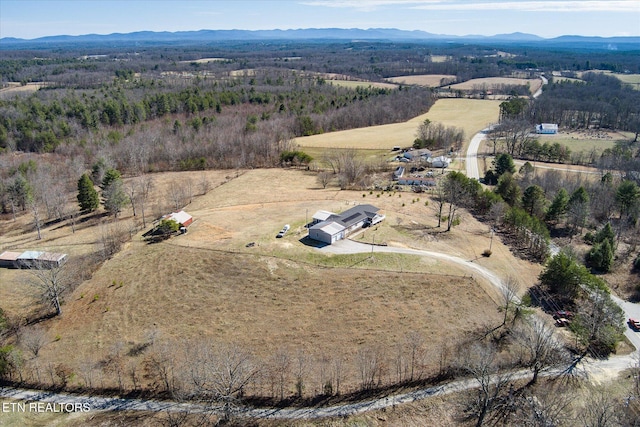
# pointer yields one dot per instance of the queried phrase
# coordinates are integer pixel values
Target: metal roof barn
(9, 259)
(50, 259)
(32, 259)
(181, 217)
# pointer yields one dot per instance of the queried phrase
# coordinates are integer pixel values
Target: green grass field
(581, 142)
(576, 144)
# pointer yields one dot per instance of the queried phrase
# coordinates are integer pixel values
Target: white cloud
(540, 6)
(525, 6)
(365, 4)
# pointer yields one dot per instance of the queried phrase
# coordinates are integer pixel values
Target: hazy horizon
(30, 19)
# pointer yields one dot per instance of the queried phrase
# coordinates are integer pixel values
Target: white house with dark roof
(338, 226)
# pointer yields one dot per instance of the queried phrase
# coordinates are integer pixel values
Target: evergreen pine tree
(88, 197)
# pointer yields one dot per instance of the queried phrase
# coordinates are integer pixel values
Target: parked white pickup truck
(283, 231)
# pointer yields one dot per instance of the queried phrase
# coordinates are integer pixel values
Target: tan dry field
(632, 79)
(204, 60)
(352, 84)
(472, 115)
(494, 82)
(440, 58)
(429, 80)
(15, 87)
(276, 294)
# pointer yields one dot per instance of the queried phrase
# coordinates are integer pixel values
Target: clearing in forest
(491, 83)
(429, 80)
(471, 115)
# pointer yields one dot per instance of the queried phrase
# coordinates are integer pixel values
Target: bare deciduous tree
(280, 366)
(370, 363)
(205, 185)
(34, 207)
(50, 283)
(300, 371)
(346, 164)
(540, 349)
(87, 370)
(549, 407)
(33, 339)
(179, 194)
(415, 341)
(145, 185)
(112, 236)
(231, 370)
(600, 410)
(324, 178)
(159, 366)
(509, 292)
(481, 363)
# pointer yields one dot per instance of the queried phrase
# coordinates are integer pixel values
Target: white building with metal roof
(339, 226)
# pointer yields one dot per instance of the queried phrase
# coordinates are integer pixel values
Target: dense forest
(273, 105)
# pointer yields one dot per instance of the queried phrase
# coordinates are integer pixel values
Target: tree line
(597, 101)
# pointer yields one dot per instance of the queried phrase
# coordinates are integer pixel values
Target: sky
(30, 19)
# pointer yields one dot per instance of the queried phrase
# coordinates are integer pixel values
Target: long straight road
(471, 160)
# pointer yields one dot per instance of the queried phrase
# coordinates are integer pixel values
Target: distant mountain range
(312, 34)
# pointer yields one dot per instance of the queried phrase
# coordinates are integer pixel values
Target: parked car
(283, 231)
(562, 322)
(563, 314)
(634, 324)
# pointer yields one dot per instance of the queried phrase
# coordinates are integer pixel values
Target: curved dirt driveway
(351, 247)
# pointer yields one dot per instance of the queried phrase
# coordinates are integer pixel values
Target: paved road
(539, 91)
(631, 310)
(471, 159)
